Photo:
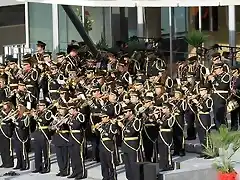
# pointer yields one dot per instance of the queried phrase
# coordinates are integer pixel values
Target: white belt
(220, 91)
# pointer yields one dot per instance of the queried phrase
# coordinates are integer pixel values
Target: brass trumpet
(58, 122)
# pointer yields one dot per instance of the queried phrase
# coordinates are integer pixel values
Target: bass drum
(232, 105)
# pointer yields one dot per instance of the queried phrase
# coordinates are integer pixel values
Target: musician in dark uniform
(4, 90)
(73, 60)
(30, 77)
(216, 59)
(21, 95)
(13, 71)
(203, 124)
(220, 86)
(53, 84)
(107, 129)
(180, 106)
(6, 132)
(61, 62)
(165, 138)
(3, 73)
(21, 138)
(41, 138)
(76, 142)
(190, 114)
(60, 140)
(131, 140)
(235, 96)
(96, 106)
(114, 109)
(160, 95)
(40, 51)
(150, 131)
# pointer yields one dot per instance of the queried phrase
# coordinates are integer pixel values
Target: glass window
(165, 20)
(180, 19)
(12, 15)
(40, 23)
(94, 17)
(206, 18)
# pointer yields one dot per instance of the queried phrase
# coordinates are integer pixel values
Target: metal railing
(16, 50)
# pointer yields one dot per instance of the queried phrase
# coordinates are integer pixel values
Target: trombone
(10, 115)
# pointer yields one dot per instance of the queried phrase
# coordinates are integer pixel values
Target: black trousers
(95, 140)
(22, 154)
(203, 123)
(63, 159)
(164, 150)
(219, 111)
(235, 119)
(178, 138)
(129, 159)
(190, 119)
(6, 151)
(77, 159)
(107, 164)
(149, 149)
(42, 149)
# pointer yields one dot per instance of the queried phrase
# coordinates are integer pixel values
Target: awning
(9, 2)
(141, 3)
(92, 3)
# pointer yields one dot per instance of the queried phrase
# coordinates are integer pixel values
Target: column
(108, 26)
(171, 25)
(232, 29)
(153, 22)
(200, 18)
(232, 25)
(123, 25)
(27, 25)
(55, 26)
(140, 21)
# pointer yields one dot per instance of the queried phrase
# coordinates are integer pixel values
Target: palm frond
(195, 38)
(223, 144)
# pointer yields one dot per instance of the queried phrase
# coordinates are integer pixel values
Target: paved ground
(94, 169)
(94, 172)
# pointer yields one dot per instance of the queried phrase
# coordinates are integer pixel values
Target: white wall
(9, 2)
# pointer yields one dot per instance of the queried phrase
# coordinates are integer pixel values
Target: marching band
(121, 101)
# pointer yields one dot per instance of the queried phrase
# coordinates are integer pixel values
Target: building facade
(111, 24)
(12, 23)
(30, 22)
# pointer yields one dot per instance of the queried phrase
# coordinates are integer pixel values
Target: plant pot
(227, 176)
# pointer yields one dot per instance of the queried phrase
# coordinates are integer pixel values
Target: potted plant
(88, 22)
(102, 44)
(222, 145)
(196, 39)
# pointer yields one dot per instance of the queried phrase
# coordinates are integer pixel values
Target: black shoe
(23, 169)
(80, 177)
(36, 171)
(9, 166)
(190, 138)
(182, 153)
(176, 154)
(72, 176)
(201, 156)
(44, 171)
(2, 166)
(58, 174)
(17, 167)
(64, 174)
